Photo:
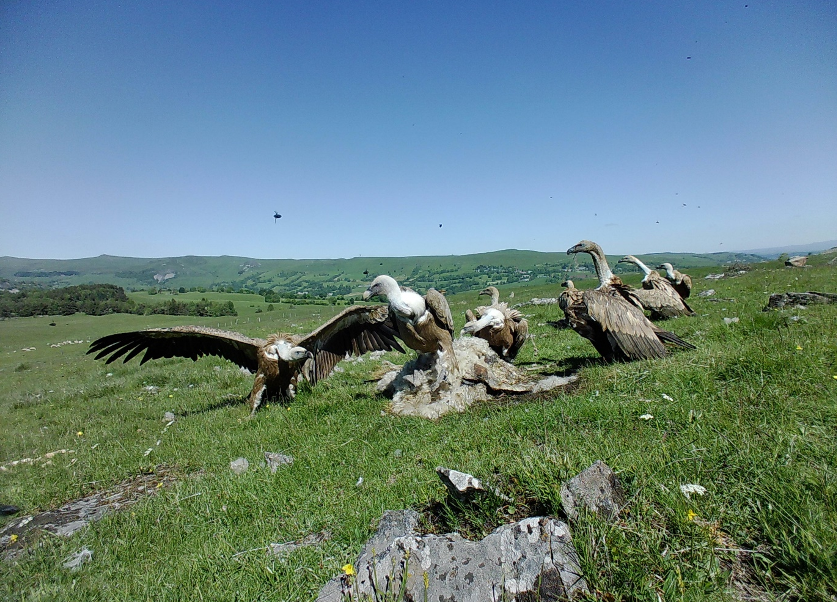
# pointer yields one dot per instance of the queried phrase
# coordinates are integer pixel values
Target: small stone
(729, 321)
(397, 453)
(169, 417)
(707, 293)
(274, 461)
(75, 561)
(460, 484)
(596, 488)
(239, 465)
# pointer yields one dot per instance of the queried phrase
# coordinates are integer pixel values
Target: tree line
(98, 300)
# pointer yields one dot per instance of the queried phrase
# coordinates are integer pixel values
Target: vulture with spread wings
(278, 361)
(657, 294)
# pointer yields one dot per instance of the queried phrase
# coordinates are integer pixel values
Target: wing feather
(180, 341)
(356, 330)
(438, 306)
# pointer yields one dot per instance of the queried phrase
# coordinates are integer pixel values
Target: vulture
(424, 323)
(278, 361)
(564, 322)
(657, 294)
(504, 328)
(611, 317)
(682, 282)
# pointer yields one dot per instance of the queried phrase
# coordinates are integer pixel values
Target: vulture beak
(485, 292)
(367, 293)
(564, 284)
(624, 260)
(574, 249)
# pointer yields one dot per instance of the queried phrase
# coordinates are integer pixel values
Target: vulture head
(628, 259)
(568, 284)
(585, 246)
(279, 348)
(382, 285)
(665, 266)
(489, 291)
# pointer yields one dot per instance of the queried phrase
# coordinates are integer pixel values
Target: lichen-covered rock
(796, 262)
(779, 300)
(534, 557)
(420, 389)
(596, 488)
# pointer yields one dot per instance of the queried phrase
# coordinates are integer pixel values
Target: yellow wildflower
(798, 348)
(80, 434)
(13, 538)
(348, 569)
(690, 515)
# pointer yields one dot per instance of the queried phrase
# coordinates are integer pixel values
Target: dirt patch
(77, 514)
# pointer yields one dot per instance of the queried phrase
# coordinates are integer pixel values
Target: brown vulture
(682, 282)
(611, 317)
(657, 294)
(278, 361)
(424, 323)
(504, 328)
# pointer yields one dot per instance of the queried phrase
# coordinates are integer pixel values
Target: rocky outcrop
(780, 300)
(531, 559)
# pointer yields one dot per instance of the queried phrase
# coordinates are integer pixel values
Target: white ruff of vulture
(611, 318)
(278, 361)
(682, 282)
(504, 328)
(423, 323)
(657, 294)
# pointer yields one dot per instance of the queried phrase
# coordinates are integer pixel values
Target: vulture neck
(495, 295)
(645, 269)
(405, 303)
(669, 270)
(600, 264)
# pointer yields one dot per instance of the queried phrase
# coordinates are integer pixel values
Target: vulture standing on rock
(504, 328)
(423, 323)
(657, 294)
(278, 361)
(682, 283)
(610, 316)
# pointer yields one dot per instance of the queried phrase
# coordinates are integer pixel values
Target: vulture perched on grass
(564, 322)
(504, 328)
(424, 323)
(278, 361)
(611, 317)
(657, 294)
(682, 283)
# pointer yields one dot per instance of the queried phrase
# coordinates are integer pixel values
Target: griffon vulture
(682, 282)
(424, 323)
(278, 361)
(504, 328)
(657, 294)
(611, 318)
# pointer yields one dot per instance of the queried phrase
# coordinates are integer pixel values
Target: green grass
(751, 417)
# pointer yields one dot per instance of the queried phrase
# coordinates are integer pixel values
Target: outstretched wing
(356, 330)
(180, 341)
(659, 296)
(438, 306)
(630, 333)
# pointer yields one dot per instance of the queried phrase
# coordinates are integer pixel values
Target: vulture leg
(520, 336)
(258, 393)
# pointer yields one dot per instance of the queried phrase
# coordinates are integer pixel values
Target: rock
(239, 465)
(465, 487)
(6, 510)
(597, 489)
(707, 293)
(419, 389)
(274, 461)
(713, 276)
(169, 417)
(796, 262)
(729, 321)
(531, 559)
(779, 300)
(75, 561)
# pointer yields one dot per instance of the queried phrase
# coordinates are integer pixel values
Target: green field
(751, 415)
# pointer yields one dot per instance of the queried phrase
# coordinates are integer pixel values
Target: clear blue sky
(159, 128)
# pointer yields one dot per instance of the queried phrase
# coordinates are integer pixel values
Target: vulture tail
(669, 337)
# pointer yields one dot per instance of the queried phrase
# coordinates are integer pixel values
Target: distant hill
(774, 252)
(325, 277)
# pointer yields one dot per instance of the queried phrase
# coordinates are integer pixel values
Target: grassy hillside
(319, 277)
(750, 415)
